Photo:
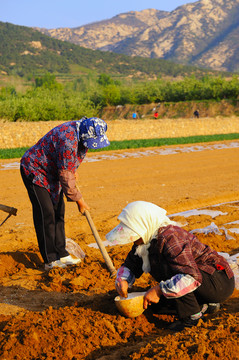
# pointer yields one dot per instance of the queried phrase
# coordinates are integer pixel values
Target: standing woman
(48, 170)
(192, 278)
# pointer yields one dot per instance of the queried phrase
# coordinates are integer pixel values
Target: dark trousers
(48, 221)
(215, 288)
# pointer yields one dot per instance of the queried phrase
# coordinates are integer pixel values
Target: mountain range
(26, 51)
(204, 33)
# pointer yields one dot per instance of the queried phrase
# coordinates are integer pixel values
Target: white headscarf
(143, 219)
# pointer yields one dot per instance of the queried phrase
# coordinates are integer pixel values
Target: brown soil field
(70, 313)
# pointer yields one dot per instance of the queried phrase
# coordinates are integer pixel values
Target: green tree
(112, 95)
(47, 81)
(105, 80)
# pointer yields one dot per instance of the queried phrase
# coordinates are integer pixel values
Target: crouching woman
(192, 278)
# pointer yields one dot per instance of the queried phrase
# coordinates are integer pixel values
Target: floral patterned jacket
(54, 154)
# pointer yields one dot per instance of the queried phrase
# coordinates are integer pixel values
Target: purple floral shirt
(57, 150)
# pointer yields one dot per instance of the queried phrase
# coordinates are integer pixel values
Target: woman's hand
(122, 287)
(82, 206)
(76, 176)
(152, 296)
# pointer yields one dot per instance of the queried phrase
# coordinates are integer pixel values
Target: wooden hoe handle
(106, 257)
(8, 209)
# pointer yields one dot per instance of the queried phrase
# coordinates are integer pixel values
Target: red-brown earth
(70, 313)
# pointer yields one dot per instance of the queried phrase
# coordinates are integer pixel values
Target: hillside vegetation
(64, 81)
(25, 51)
(47, 99)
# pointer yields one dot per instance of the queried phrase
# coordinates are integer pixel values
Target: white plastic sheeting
(233, 261)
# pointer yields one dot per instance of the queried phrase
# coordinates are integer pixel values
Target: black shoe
(213, 308)
(180, 325)
(210, 308)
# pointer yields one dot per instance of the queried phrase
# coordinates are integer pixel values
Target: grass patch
(135, 144)
(144, 143)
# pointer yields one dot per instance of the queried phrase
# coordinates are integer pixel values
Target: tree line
(47, 99)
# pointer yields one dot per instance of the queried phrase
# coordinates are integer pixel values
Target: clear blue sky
(72, 13)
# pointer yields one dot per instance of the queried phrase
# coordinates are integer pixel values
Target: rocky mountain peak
(203, 33)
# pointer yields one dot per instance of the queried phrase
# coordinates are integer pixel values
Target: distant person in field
(192, 279)
(48, 171)
(196, 113)
(134, 115)
(156, 115)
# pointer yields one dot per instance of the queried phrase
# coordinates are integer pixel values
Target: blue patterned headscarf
(91, 131)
